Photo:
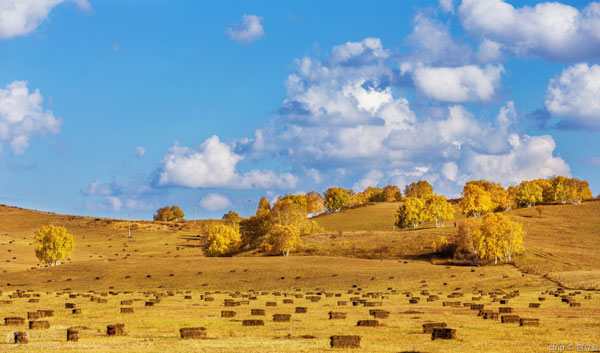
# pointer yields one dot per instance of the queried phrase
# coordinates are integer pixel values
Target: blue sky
(116, 107)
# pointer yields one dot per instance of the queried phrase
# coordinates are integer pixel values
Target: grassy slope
(563, 243)
(101, 248)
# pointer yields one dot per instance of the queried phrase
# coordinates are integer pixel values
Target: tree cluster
(275, 229)
(481, 197)
(415, 210)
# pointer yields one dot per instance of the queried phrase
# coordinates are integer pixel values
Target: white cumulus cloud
(214, 202)
(248, 31)
(458, 84)
(20, 17)
(574, 96)
(550, 30)
(214, 165)
(22, 116)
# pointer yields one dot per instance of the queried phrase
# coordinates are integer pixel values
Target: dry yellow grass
(103, 251)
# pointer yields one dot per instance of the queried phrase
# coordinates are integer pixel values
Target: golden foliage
(223, 240)
(411, 213)
(53, 244)
(281, 240)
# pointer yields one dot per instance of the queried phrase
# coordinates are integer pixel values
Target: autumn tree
(438, 209)
(492, 238)
(529, 194)
(289, 210)
(167, 213)
(421, 189)
(411, 213)
(231, 219)
(253, 229)
(281, 240)
(391, 193)
(500, 197)
(223, 240)
(570, 190)
(336, 198)
(52, 244)
(264, 206)
(475, 201)
(314, 202)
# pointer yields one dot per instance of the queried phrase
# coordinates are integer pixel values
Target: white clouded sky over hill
(104, 113)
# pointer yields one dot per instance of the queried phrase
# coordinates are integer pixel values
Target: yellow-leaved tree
(438, 209)
(475, 201)
(421, 189)
(530, 193)
(53, 244)
(223, 240)
(411, 213)
(281, 240)
(493, 238)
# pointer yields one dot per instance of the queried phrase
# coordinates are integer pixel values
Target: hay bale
(534, 305)
(369, 323)
(126, 310)
(573, 304)
(253, 323)
(413, 301)
(509, 319)
(150, 303)
(228, 313)
(72, 335)
(69, 305)
(477, 306)
(379, 313)
(505, 310)
(443, 333)
(38, 325)
(344, 341)
(20, 337)
(428, 327)
(257, 312)
(33, 315)
(529, 322)
(231, 303)
(127, 302)
(14, 321)
(192, 332)
(115, 330)
(288, 301)
(490, 316)
(301, 310)
(271, 303)
(282, 317)
(342, 303)
(76, 311)
(372, 304)
(333, 315)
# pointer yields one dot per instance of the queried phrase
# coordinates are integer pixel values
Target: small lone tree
(53, 244)
(173, 213)
(539, 210)
(281, 240)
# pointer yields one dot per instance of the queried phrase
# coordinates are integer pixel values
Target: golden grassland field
(358, 259)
